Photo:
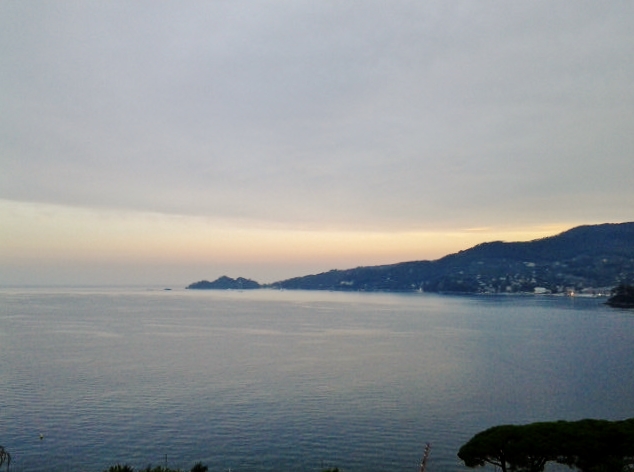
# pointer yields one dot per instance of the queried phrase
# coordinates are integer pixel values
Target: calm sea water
(294, 381)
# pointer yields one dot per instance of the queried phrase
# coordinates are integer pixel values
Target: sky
(165, 142)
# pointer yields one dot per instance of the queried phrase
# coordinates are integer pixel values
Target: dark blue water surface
(294, 381)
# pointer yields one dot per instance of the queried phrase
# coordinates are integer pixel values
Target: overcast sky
(168, 141)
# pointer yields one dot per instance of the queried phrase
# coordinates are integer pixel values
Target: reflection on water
(270, 380)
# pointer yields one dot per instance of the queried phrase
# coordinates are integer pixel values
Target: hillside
(585, 258)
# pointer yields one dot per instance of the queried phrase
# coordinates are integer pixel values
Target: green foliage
(586, 445)
(5, 457)
(158, 468)
(622, 296)
(493, 446)
(198, 467)
(121, 468)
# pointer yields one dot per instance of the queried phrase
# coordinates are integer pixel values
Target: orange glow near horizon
(39, 234)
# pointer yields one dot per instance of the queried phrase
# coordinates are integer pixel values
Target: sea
(270, 380)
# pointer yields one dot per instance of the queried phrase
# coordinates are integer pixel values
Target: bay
(294, 381)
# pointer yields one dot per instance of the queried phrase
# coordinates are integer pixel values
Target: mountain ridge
(587, 257)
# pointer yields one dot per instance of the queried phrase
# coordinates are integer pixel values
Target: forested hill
(585, 258)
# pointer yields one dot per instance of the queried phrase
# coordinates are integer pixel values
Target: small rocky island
(225, 283)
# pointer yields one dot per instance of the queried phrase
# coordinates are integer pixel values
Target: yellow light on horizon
(36, 233)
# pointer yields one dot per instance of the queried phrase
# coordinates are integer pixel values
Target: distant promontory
(589, 259)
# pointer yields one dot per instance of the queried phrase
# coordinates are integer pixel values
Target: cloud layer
(314, 116)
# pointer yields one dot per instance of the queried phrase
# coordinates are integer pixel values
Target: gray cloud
(343, 114)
